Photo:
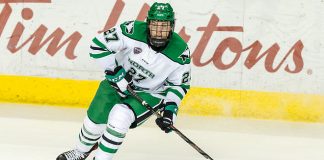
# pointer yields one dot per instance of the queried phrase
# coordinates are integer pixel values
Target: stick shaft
(145, 104)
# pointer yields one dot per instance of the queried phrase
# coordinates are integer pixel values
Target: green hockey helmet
(160, 24)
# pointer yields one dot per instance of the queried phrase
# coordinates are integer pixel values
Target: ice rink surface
(30, 132)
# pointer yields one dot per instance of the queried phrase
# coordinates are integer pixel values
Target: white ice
(30, 132)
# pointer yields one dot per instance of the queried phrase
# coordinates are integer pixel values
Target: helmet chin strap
(158, 42)
(157, 46)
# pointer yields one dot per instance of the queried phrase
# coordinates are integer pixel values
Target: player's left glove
(119, 80)
(168, 118)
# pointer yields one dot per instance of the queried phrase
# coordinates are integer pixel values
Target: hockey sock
(119, 121)
(89, 135)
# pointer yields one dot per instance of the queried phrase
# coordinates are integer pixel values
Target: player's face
(160, 29)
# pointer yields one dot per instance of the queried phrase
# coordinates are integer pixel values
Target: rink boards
(199, 101)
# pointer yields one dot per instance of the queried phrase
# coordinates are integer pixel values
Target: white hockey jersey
(127, 45)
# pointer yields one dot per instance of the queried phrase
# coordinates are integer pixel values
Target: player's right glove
(168, 118)
(119, 80)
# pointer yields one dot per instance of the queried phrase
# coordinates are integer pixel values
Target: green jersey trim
(175, 48)
(135, 30)
(176, 92)
(102, 46)
(100, 55)
(185, 87)
(97, 42)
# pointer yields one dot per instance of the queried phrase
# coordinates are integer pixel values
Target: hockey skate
(75, 154)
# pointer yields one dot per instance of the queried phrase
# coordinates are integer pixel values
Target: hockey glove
(119, 80)
(168, 118)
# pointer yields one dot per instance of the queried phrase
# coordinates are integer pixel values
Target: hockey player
(154, 61)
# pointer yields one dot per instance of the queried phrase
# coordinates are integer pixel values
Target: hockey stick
(145, 104)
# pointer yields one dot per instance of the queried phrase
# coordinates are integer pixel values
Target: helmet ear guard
(160, 13)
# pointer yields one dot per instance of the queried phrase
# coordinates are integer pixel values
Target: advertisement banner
(249, 45)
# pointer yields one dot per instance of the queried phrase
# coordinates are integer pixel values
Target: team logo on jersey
(185, 56)
(137, 50)
(129, 27)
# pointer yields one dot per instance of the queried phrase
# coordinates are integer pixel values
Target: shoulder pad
(135, 30)
(177, 50)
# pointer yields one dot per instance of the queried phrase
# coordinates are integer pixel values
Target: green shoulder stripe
(135, 30)
(175, 49)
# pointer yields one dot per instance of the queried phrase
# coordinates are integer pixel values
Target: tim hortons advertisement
(235, 44)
